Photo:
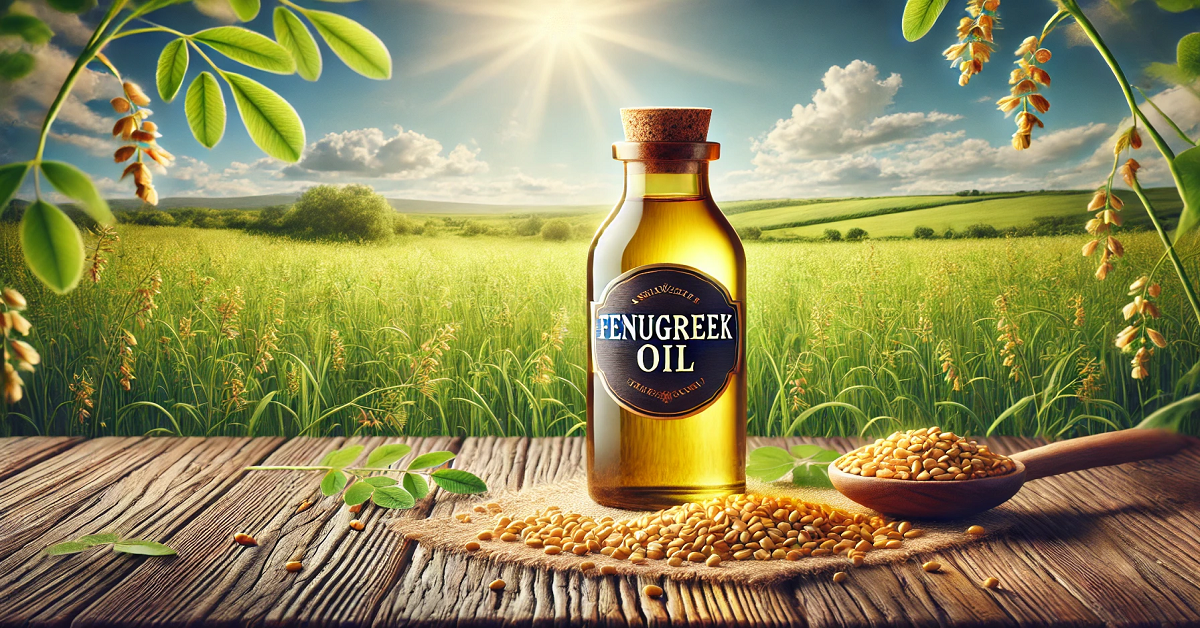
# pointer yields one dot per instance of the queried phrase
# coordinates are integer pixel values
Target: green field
(485, 335)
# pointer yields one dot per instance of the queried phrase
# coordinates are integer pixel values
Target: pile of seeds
(925, 454)
(736, 527)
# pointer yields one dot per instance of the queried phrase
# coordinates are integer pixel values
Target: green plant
(833, 235)
(808, 464)
(531, 226)
(348, 212)
(923, 233)
(51, 243)
(854, 234)
(360, 484)
(1028, 82)
(119, 545)
(557, 230)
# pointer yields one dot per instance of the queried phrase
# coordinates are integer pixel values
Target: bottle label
(666, 340)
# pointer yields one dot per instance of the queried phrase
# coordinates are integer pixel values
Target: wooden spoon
(951, 499)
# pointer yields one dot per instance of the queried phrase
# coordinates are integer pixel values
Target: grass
(447, 335)
(1001, 213)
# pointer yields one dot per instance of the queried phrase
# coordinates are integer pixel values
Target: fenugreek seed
(794, 555)
(355, 524)
(586, 565)
(990, 583)
(304, 505)
(713, 560)
(484, 535)
(293, 566)
(914, 533)
(496, 585)
(652, 590)
(932, 566)
(893, 544)
(244, 539)
(551, 550)
(508, 536)
(976, 530)
(839, 577)
(903, 527)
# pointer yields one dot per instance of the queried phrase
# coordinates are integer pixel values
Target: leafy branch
(360, 484)
(808, 464)
(51, 242)
(119, 545)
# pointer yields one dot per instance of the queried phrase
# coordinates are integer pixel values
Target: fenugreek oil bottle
(666, 395)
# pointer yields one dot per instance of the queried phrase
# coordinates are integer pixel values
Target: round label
(666, 340)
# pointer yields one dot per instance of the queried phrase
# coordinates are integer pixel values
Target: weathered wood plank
(217, 582)
(148, 489)
(20, 453)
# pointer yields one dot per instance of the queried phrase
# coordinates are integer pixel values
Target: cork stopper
(665, 124)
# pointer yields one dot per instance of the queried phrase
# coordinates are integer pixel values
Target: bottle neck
(685, 181)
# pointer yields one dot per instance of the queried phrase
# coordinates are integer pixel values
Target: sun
(553, 41)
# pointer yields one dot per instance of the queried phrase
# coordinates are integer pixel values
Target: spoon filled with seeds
(928, 473)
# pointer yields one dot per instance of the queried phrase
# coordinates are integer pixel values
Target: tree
(750, 233)
(855, 234)
(982, 230)
(833, 235)
(923, 233)
(531, 226)
(557, 230)
(350, 212)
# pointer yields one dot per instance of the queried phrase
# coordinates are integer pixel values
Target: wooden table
(1114, 546)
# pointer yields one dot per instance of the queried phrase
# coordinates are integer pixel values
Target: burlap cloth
(446, 533)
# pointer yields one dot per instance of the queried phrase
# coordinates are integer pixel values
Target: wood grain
(17, 454)
(1115, 546)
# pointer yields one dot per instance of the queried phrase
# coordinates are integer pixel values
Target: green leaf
(458, 481)
(380, 480)
(416, 485)
(172, 67)
(825, 456)
(356, 46)
(805, 451)
(26, 27)
(1170, 416)
(1012, 410)
(1187, 55)
(387, 455)
(11, 177)
(142, 548)
(342, 458)
(72, 6)
(1178, 6)
(246, 10)
(270, 120)
(769, 463)
(358, 493)
(294, 36)
(1187, 381)
(15, 65)
(392, 497)
(205, 107)
(920, 16)
(248, 47)
(52, 245)
(1187, 164)
(98, 539)
(70, 547)
(72, 182)
(333, 483)
(816, 475)
(430, 460)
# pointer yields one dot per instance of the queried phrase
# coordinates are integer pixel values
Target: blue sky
(809, 98)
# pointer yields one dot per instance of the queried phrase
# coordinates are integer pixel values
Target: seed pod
(124, 153)
(839, 577)
(652, 590)
(135, 94)
(496, 585)
(293, 566)
(244, 539)
(13, 299)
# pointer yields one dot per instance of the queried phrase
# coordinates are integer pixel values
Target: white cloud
(370, 153)
(844, 143)
(845, 116)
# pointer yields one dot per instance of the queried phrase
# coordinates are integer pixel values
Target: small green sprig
(808, 464)
(119, 545)
(381, 490)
